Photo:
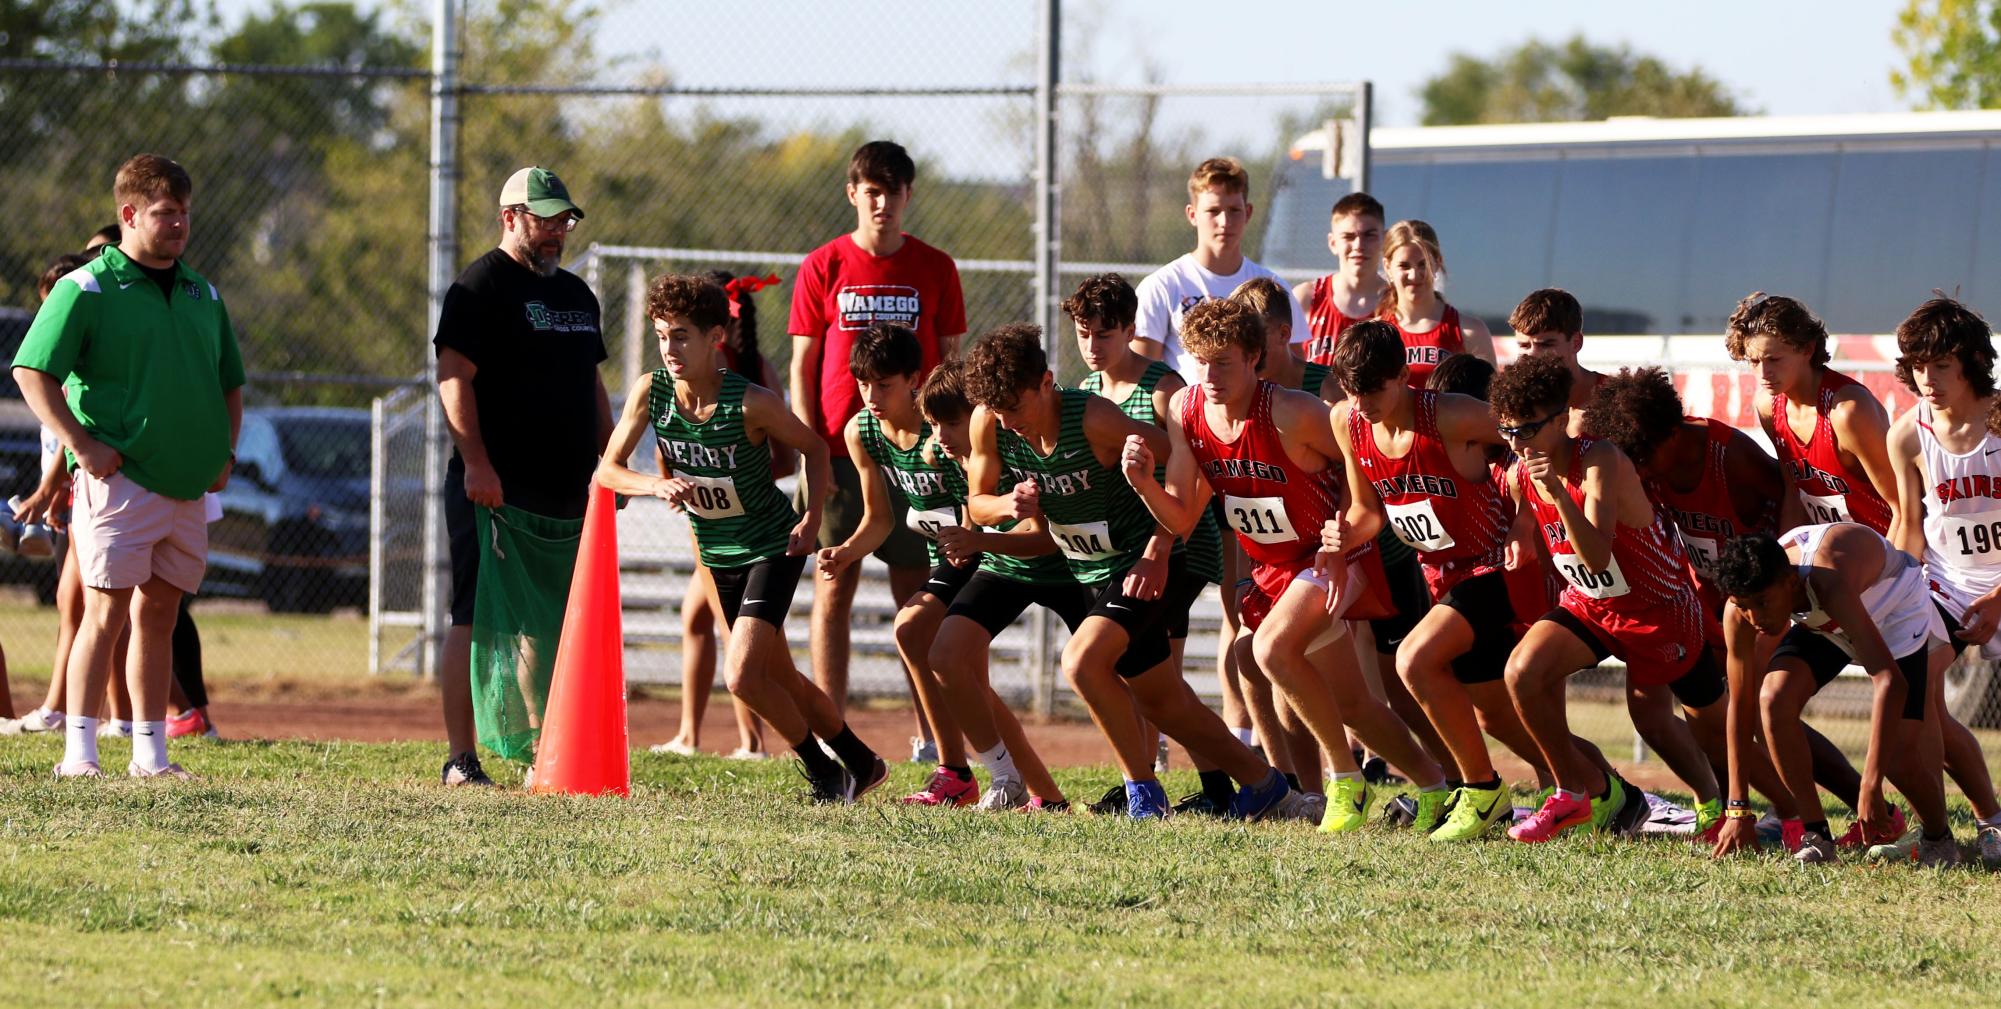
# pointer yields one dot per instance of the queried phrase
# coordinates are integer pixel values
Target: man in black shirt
(518, 351)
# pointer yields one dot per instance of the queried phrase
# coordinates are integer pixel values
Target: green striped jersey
(738, 514)
(931, 486)
(1313, 377)
(1204, 545)
(1098, 521)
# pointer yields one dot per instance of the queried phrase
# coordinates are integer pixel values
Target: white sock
(1566, 793)
(1992, 821)
(998, 764)
(46, 718)
(149, 745)
(80, 740)
(124, 726)
(1248, 737)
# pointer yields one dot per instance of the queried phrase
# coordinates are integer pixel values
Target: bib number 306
(1607, 584)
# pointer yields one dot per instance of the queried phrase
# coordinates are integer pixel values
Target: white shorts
(126, 535)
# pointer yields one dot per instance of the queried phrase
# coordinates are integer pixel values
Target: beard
(545, 259)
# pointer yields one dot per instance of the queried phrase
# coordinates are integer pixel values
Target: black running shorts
(1484, 602)
(1825, 660)
(1412, 599)
(761, 591)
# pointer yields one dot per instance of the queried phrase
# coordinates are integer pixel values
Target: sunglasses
(1524, 432)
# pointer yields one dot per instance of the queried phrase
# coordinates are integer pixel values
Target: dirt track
(386, 713)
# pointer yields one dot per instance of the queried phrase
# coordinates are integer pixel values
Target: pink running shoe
(1036, 804)
(945, 789)
(1853, 837)
(192, 722)
(1558, 814)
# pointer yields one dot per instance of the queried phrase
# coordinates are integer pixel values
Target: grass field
(316, 874)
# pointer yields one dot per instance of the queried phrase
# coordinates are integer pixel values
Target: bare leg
(1236, 713)
(1656, 716)
(69, 614)
(455, 676)
(1424, 663)
(1168, 701)
(1088, 663)
(699, 649)
(1787, 689)
(98, 637)
(1539, 669)
(155, 608)
(904, 584)
(916, 627)
(959, 654)
(1711, 732)
(833, 610)
(1034, 773)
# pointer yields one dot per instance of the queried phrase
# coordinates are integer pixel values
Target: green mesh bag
(525, 563)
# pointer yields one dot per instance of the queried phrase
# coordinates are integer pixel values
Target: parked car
(294, 526)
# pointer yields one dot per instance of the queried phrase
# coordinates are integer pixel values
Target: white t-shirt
(1169, 292)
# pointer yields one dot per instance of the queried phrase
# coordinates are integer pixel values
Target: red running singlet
(1706, 516)
(1423, 351)
(1457, 525)
(1641, 604)
(1324, 322)
(1829, 492)
(1276, 508)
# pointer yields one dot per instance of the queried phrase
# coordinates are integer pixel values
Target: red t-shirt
(841, 290)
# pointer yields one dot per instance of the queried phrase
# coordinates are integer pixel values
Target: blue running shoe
(1254, 801)
(1146, 800)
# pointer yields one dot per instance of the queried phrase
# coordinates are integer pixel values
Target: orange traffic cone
(583, 746)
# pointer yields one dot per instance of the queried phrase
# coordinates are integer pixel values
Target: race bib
(1822, 510)
(1084, 541)
(1417, 525)
(1971, 539)
(1607, 584)
(1259, 519)
(927, 524)
(1701, 555)
(712, 497)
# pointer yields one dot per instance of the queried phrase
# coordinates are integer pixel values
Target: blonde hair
(1411, 232)
(1266, 297)
(1226, 174)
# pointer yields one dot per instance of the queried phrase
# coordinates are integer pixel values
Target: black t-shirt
(536, 343)
(163, 276)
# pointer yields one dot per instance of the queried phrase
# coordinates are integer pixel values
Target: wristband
(1740, 814)
(1737, 804)
(1243, 582)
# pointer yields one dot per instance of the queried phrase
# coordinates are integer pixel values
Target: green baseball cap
(540, 191)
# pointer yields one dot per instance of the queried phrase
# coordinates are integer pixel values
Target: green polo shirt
(144, 372)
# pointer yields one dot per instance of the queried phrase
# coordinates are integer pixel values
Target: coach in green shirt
(133, 364)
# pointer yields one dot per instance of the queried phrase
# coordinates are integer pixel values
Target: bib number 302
(1416, 523)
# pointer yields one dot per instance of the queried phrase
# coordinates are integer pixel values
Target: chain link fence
(688, 136)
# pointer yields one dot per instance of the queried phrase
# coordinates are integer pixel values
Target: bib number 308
(712, 497)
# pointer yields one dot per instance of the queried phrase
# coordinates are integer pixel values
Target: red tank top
(1423, 351)
(1828, 490)
(1325, 322)
(1276, 508)
(1706, 516)
(1647, 578)
(1458, 526)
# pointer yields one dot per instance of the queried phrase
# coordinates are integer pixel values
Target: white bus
(1659, 226)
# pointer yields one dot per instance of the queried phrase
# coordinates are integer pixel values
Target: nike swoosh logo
(1116, 606)
(127, 284)
(1991, 451)
(1361, 805)
(1489, 811)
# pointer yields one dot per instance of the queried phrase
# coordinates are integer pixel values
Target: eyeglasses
(562, 223)
(1524, 432)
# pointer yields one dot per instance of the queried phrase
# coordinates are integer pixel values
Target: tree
(1541, 82)
(1954, 53)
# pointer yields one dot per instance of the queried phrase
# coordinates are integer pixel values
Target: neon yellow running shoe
(1603, 808)
(1347, 805)
(1707, 815)
(1430, 810)
(1474, 811)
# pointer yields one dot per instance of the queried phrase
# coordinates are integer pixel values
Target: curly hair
(1367, 356)
(1007, 362)
(1551, 309)
(1215, 326)
(696, 299)
(885, 349)
(1941, 328)
(1105, 300)
(1463, 374)
(1776, 315)
(1750, 563)
(942, 397)
(1637, 410)
(1530, 388)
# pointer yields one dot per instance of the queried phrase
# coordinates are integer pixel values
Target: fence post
(635, 323)
(444, 265)
(1365, 114)
(378, 465)
(1048, 251)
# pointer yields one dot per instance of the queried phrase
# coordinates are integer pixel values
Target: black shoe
(1113, 803)
(829, 787)
(1200, 804)
(1376, 771)
(464, 769)
(1400, 811)
(1633, 813)
(857, 787)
